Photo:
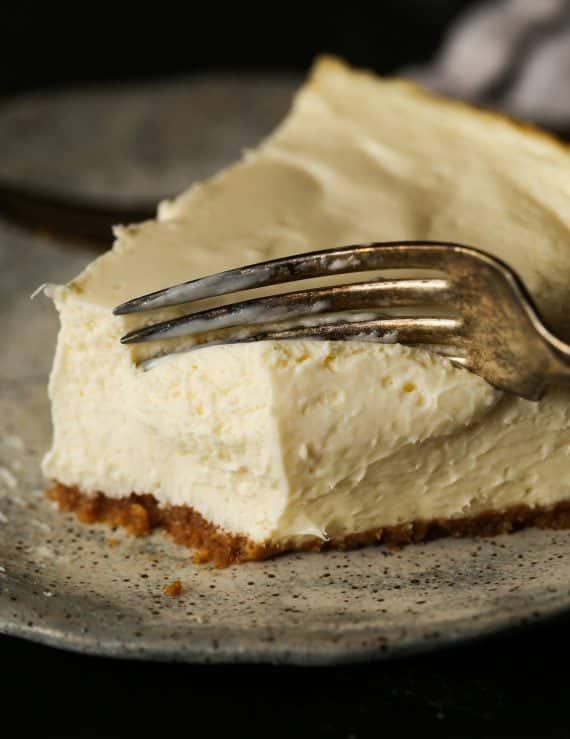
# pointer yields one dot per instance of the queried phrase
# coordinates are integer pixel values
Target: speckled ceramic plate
(72, 586)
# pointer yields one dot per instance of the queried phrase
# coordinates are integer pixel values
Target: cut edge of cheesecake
(141, 515)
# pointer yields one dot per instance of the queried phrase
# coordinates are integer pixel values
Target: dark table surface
(509, 685)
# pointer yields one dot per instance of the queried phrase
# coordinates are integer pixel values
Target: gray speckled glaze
(63, 584)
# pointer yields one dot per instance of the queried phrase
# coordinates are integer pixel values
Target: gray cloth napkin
(512, 55)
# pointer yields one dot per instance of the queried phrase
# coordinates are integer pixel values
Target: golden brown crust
(140, 514)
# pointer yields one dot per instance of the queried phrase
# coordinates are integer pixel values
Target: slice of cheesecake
(248, 450)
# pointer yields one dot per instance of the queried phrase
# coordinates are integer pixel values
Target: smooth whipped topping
(280, 440)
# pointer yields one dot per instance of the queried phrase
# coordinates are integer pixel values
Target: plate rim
(349, 649)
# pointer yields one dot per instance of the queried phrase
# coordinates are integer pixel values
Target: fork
(490, 327)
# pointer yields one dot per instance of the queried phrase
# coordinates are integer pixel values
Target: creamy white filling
(279, 440)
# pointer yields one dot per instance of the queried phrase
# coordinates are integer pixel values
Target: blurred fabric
(513, 55)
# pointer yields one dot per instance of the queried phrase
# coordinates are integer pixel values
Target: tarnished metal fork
(490, 326)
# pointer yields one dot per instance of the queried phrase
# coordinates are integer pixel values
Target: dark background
(510, 685)
(50, 44)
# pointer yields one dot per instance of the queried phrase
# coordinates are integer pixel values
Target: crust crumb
(173, 589)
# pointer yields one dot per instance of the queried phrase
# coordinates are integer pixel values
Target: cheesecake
(248, 450)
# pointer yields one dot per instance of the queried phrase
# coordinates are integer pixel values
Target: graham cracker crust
(141, 514)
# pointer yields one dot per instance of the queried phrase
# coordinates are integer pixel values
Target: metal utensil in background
(67, 217)
(75, 163)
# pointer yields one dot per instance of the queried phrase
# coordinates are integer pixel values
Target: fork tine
(345, 260)
(275, 308)
(459, 361)
(430, 331)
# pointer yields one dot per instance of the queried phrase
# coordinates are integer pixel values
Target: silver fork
(491, 327)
